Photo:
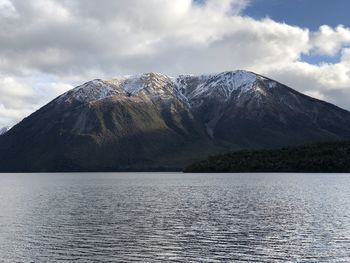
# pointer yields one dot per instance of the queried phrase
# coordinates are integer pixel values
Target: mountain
(4, 130)
(155, 122)
(331, 157)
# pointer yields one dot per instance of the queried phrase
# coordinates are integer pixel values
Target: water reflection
(175, 217)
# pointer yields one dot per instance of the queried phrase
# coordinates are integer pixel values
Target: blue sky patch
(319, 59)
(303, 13)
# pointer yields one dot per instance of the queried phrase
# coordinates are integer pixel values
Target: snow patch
(225, 83)
(272, 84)
(133, 84)
(189, 89)
(91, 91)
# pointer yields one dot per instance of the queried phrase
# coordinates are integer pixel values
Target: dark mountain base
(332, 157)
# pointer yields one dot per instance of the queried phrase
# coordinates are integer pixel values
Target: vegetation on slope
(324, 157)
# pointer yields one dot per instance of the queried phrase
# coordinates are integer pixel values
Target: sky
(49, 46)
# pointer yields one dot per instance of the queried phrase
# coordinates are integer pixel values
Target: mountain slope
(155, 122)
(251, 111)
(4, 130)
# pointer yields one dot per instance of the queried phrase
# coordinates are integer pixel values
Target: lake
(174, 217)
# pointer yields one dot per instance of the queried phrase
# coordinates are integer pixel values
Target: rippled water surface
(174, 217)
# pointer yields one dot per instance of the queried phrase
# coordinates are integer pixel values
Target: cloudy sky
(50, 46)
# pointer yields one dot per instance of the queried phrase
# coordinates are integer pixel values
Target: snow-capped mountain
(153, 121)
(152, 85)
(186, 87)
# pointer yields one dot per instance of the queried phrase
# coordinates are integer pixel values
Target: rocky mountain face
(155, 122)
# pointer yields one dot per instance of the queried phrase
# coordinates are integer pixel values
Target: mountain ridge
(5, 129)
(152, 121)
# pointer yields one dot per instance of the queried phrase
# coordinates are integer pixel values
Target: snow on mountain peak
(153, 85)
(90, 91)
(133, 84)
(225, 83)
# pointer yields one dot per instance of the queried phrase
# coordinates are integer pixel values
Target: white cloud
(50, 45)
(7, 9)
(18, 99)
(329, 41)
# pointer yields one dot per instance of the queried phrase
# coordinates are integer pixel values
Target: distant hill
(326, 157)
(153, 121)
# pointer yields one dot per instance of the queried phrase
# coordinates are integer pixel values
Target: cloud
(330, 82)
(48, 46)
(328, 41)
(7, 9)
(20, 97)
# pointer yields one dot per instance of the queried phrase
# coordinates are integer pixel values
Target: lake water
(174, 217)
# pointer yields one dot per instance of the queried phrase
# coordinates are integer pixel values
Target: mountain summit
(155, 122)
